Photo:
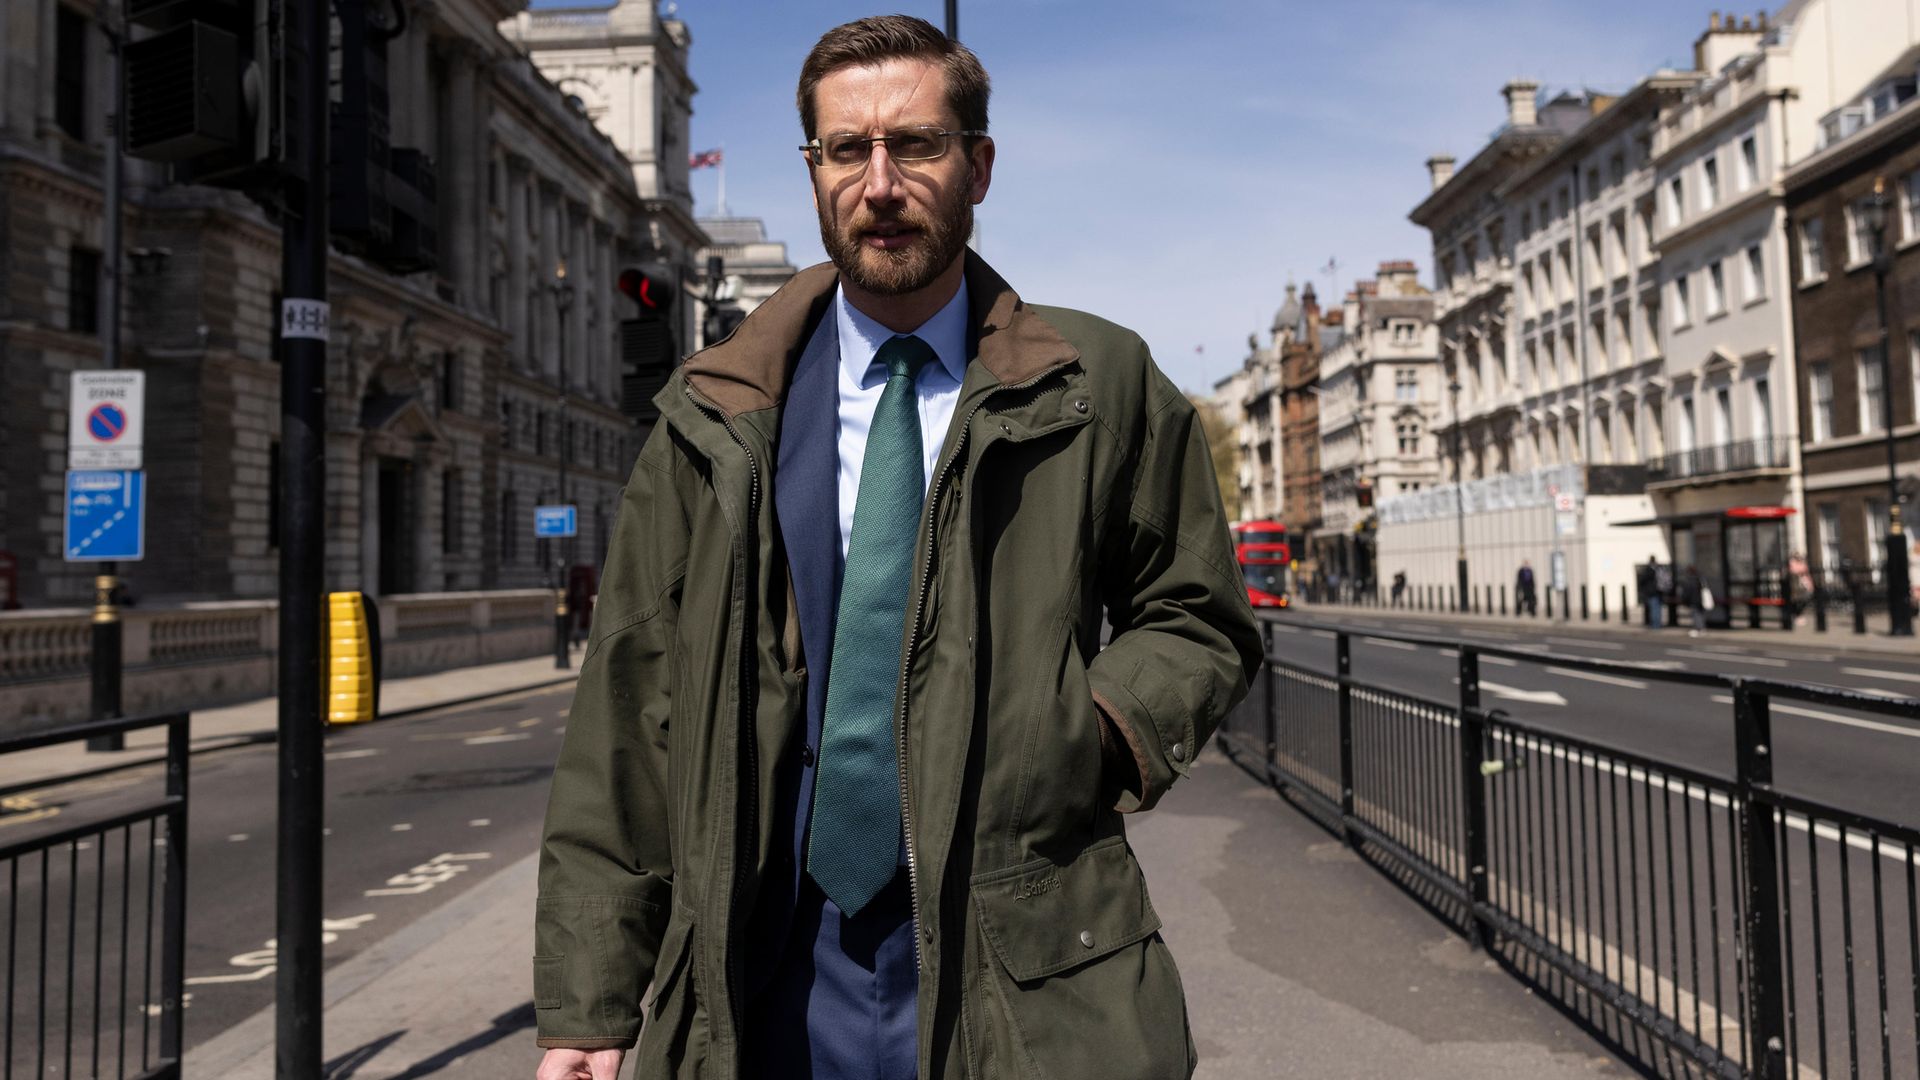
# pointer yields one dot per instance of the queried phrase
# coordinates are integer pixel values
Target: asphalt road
(416, 810)
(1865, 763)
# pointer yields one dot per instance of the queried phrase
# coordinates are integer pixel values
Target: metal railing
(1750, 932)
(96, 926)
(1774, 453)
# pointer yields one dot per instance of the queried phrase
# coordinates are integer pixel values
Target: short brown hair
(888, 37)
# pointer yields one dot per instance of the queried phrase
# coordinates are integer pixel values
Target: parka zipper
(913, 640)
(748, 828)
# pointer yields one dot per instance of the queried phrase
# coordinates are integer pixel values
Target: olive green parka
(1074, 483)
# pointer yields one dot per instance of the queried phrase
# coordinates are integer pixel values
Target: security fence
(96, 923)
(1747, 931)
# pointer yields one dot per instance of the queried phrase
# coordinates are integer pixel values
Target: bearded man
(844, 774)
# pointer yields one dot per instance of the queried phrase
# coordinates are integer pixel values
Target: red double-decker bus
(1263, 551)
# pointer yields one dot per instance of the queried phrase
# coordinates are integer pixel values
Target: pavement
(1298, 960)
(259, 720)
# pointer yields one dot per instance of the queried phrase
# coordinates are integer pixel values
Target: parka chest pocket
(1076, 981)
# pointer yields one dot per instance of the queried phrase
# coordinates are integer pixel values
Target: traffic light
(205, 89)
(650, 291)
(648, 349)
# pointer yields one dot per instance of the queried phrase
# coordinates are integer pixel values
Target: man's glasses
(846, 150)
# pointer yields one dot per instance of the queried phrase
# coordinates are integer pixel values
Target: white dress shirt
(862, 380)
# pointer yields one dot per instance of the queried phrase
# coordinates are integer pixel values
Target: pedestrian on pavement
(847, 762)
(1696, 598)
(1647, 582)
(1399, 586)
(1523, 591)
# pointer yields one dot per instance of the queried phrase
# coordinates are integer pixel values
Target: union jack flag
(705, 159)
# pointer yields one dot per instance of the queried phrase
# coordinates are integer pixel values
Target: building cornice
(1712, 128)
(1849, 152)
(1714, 219)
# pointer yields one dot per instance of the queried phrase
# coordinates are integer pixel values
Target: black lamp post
(1459, 497)
(562, 302)
(1899, 581)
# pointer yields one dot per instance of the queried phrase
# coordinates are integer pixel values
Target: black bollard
(1820, 608)
(1583, 601)
(1859, 611)
(1603, 603)
(1503, 598)
(1549, 601)
(1624, 606)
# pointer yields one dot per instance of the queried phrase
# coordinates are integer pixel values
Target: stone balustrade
(198, 655)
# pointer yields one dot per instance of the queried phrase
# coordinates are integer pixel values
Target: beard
(881, 272)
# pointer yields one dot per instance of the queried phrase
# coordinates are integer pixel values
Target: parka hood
(751, 368)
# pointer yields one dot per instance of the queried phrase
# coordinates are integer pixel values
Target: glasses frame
(816, 149)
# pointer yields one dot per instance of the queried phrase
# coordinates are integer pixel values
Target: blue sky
(1171, 165)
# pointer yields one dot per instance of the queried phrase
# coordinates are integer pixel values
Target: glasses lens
(916, 144)
(844, 149)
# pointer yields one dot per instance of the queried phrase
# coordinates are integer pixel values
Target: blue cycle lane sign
(106, 515)
(551, 521)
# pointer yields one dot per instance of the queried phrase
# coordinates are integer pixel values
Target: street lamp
(562, 302)
(1459, 497)
(1899, 588)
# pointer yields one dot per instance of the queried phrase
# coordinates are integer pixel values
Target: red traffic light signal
(652, 294)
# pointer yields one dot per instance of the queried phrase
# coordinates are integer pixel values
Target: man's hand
(580, 1065)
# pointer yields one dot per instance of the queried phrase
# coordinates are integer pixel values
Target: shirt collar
(861, 338)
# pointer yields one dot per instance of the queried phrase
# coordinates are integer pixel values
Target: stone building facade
(1844, 376)
(451, 392)
(1380, 392)
(1298, 412)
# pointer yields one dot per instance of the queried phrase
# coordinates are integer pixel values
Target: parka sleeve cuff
(608, 1043)
(1138, 794)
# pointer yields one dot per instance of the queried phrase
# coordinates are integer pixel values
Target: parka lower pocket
(1075, 983)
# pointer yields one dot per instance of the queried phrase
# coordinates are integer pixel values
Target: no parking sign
(104, 419)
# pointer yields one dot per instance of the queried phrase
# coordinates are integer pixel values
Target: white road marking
(263, 961)
(1586, 644)
(1285, 629)
(1514, 693)
(531, 721)
(1489, 634)
(1881, 673)
(1501, 660)
(1321, 633)
(484, 740)
(1594, 676)
(1832, 718)
(1390, 644)
(1449, 652)
(438, 870)
(402, 827)
(480, 822)
(348, 755)
(1761, 660)
(238, 838)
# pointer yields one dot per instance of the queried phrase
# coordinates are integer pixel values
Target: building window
(540, 432)
(1723, 414)
(1596, 265)
(1756, 274)
(1716, 289)
(1682, 307)
(1813, 250)
(1688, 436)
(1622, 339)
(1829, 538)
(1820, 393)
(1409, 433)
(1403, 332)
(450, 381)
(1617, 260)
(1872, 390)
(1406, 384)
(1650, 344)
(1676, 200)
(1763, 409)
(1877, 537)
(70, 71)
(509, 528)
(1910, 205)
(506, 424)
(1749, 161)
(449, 512)
(1709, 183)
(1644, 228)
(83, 289)
(1863, 244)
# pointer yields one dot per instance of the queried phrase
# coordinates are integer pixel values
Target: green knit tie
(854, 844)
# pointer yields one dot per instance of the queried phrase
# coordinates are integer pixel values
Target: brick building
(1299, 413)
(1845, 377)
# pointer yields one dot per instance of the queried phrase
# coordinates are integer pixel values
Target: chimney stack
(1521, 110)
(1440, 168)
